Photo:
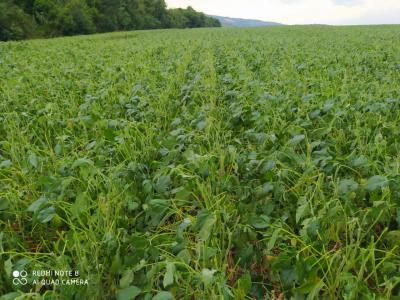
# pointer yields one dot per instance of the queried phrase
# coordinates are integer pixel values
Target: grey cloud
(383, 16)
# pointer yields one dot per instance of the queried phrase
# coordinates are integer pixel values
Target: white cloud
(347, 2)
(302, 11)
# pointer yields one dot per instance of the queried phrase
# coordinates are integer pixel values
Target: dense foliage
(203, 164)
(21, 19)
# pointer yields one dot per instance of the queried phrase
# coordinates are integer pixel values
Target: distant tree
(189, 18)
(46, 14)
(25, 18)
(106, 16)
(178, 19)
(26, 5)
(75, 18)
(15, 24)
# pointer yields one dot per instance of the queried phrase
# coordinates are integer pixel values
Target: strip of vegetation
(21, 19)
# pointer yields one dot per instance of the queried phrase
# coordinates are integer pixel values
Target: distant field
(202, 164)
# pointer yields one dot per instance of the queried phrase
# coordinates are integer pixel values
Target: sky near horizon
(333, 12)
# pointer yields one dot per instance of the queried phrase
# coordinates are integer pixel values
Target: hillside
(237, 22)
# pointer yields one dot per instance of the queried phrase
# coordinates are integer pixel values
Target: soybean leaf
(8, 266)
(37, 204)
(126, 279)
(302, 211)
(5, 163)
(82, 162)
(163, 296)
(33, 160)
(360, 161)
(207, 276)
(207, 227)
(259, 222)
(205, 223)
(47, 214)
(128, 293)
(376, 182)
(347, 185)
(201, 125)
(244, 283)
(169, 274)
(11, 296)
(163, 183)
(3, 204)
(297, 139)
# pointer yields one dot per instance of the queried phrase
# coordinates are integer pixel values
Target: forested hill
(236, 22)
(20, 19)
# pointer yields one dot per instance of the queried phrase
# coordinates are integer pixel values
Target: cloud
(347, 2)
(334, 12)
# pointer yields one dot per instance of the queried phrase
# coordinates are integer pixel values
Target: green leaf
(297, 139)
(81, 205)
(302, 211)
(269, 165)
(310, 287)
(176, 122)
(37, 204)
(328, 106)
(376, 182)
(47, 214)
(245, 283)
(132, 206)
(259, 222)
(115, 264)
(272, 240)
(21, 264)
(8, 266)
(128, 293)
(169, 274)
(5, 163)
(163, 296)
(265, 189)
(156, 210)
(312, 227)
(207, 276)
(58, 149)
(3, 204)
(389, 267)
(201, 125)
(126, 279)
(207, 227)
(393, 238)
(33, 160)
(163, 183)
(360, 161)
(11, 296)
(347, 185)
(82, 162)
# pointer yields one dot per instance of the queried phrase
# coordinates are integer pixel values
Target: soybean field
(206, 164)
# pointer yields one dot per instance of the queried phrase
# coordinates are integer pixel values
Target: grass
(203, 164)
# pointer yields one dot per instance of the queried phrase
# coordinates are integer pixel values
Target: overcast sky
(301, 11)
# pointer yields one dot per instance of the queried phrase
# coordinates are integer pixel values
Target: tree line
(21, 19)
